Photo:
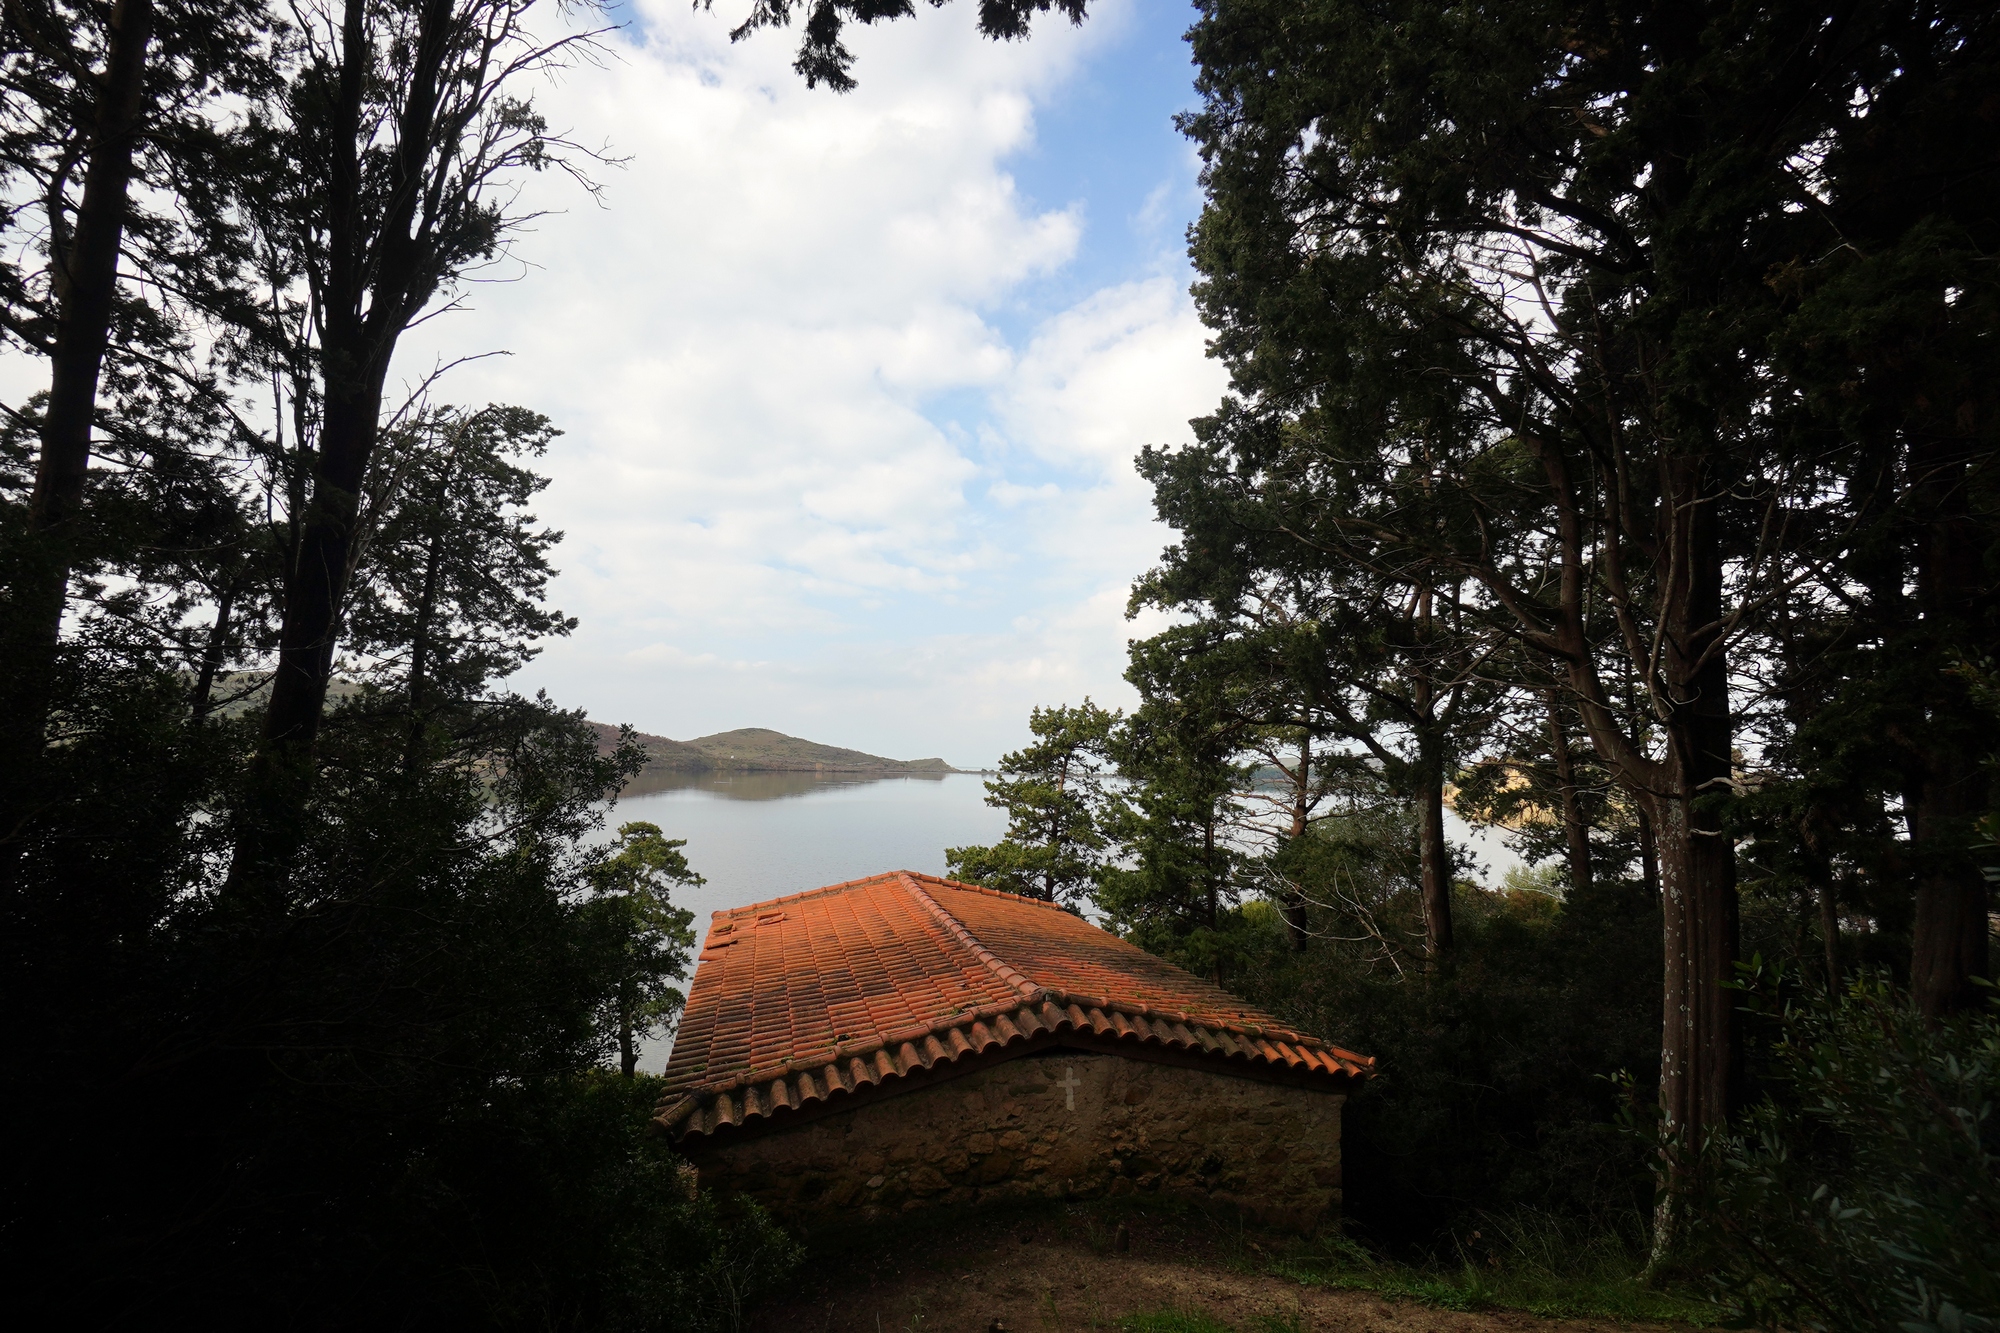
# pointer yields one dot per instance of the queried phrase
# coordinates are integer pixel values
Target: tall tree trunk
(353, 363)
(1699, 1071)
(1649, 854)
(212, 655)
(377, 276)
(1827, 897)
(420, 646)
(1214, 902)
(1949, 938)
(353, 367)
(1293, 906)
(1433, 853)
(628, 1049)
(315, 588)
(1697, 860)
(1949, 951)
(1576, 833)
(85, 273)
(1434, 863)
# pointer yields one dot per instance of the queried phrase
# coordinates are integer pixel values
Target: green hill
(759, 749)
(762, 748)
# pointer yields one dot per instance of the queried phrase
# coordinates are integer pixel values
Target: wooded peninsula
(761, 750)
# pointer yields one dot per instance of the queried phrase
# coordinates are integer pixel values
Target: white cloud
(807, 482)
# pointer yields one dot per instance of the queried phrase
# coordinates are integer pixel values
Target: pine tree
(653, 939)
(1054, 793)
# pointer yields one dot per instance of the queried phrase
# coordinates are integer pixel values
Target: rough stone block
(1056, 1124)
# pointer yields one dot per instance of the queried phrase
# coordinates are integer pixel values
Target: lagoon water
(763, 835)
(755, 836)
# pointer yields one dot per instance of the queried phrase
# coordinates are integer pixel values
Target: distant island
(761, 750)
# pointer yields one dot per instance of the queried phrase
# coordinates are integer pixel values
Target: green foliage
(653, 938)
(1494, 1093)
(553, 1205)
(1356, 870)
(457, 570)
(824, 58)
(1054, 793)
(1545, 880)
(308, 1022)
(367, 1094)
(1864, 1191)
(1179, 757)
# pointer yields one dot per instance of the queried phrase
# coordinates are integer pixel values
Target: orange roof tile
(807, 998)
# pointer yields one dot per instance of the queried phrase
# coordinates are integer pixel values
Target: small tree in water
(634, 905)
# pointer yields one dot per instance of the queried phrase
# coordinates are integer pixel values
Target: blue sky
(851, 385)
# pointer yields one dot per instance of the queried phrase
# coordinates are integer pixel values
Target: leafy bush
(369, 1103)
(1864, 1193)
(1493, 1092)
(558, 1208)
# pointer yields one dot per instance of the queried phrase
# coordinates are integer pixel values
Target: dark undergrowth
(1526, 1261)
(1531, 1262)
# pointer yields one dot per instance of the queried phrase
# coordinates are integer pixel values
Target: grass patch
(1524, 1262)
(1172, 1321)
(1183, 1321)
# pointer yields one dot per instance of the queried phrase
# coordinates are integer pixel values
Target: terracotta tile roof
(803, 999)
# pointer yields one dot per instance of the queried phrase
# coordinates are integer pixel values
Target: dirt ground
(1064, 1271)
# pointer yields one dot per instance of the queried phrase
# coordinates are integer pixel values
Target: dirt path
(1062, 1274)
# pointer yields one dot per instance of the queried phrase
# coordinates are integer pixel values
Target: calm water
(763, 835)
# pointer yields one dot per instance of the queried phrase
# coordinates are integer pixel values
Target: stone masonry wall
(1058, 1124)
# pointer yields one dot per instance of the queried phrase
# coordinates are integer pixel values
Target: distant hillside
(759, 749)
(234, 693)
(661, 753)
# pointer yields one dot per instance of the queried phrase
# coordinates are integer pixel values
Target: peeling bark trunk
(1697, 1050)
(1208, 873)
(1697, 862)
(1433, 853)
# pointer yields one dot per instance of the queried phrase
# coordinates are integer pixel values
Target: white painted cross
(1070, 1083)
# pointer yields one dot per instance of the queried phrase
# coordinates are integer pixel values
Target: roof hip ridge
(1026, 989)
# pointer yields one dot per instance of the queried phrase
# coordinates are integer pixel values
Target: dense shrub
(370, 1100)
(1863, 1192)
(1495, 1091)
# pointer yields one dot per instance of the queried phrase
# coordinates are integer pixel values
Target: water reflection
(763, 786)
(754, 836)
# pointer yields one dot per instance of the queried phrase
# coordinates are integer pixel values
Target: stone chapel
(902, 1041)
